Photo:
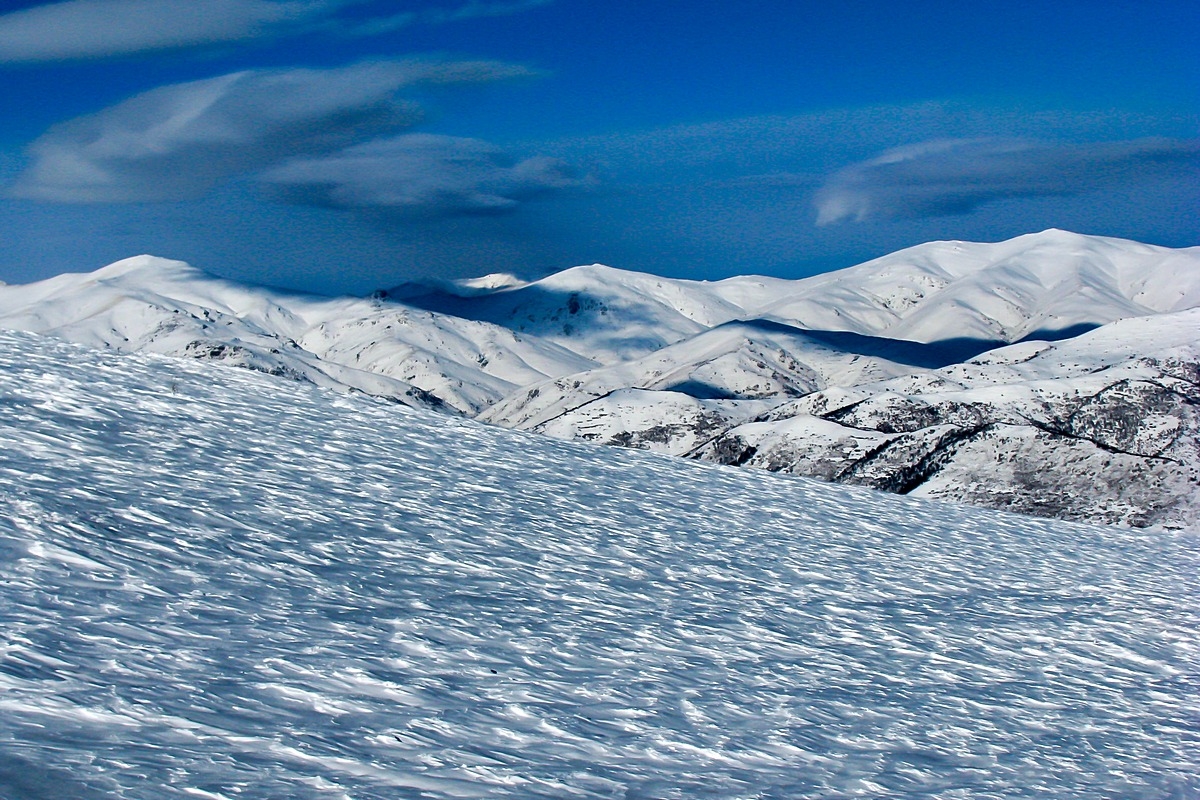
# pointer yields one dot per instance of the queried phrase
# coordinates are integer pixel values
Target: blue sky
(346, 145)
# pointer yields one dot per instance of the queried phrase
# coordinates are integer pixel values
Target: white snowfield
(753, 371)
(214, 584)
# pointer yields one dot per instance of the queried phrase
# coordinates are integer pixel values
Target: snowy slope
(721, 369)
(219, 585)
(156, 305)
(1026, 286)
(940, 291)
(1102, 427)
(608, 314)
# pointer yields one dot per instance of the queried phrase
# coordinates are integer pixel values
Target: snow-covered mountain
(385, 349)
(216, 584)
(1105, 426)
(1032, 286)
(844, 376)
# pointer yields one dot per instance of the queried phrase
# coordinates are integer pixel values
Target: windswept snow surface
(216, 585)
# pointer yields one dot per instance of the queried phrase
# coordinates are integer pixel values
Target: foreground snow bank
(217, 585)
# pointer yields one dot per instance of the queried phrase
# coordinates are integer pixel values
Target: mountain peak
(151, 265)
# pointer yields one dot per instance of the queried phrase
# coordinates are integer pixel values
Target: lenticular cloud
(93, 29)
(100, 28)
(419, 174)
(955, 176)
(176, 142)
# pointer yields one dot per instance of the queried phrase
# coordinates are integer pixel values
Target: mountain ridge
(705, 368)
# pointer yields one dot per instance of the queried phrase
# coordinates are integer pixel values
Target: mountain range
(1056, 374)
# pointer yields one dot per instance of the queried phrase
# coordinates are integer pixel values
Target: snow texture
(219, 585)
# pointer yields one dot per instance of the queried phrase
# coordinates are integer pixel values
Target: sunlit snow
(219, 585)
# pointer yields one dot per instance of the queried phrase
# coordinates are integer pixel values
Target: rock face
(1126, 454)
(1052, 374)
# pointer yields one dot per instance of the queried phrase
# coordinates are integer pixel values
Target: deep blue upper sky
(344, 145)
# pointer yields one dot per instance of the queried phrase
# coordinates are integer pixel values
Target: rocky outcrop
(1119, 444)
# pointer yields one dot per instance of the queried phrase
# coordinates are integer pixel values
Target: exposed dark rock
(703, 427)
(729, 450)
(904, 463)
(1127, 452)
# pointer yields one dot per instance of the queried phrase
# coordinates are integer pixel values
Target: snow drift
(216, 584)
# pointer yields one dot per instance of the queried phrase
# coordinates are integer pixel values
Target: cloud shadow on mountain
(510, 308)
(530, 307)
(927, 355)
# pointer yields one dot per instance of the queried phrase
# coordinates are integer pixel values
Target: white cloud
(83, 29)
(796, 147)
(955, 176)
(176, 141)
(437, 16)
(419, 175)
(96, 28)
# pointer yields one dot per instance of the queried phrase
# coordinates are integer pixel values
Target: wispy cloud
(956, 176)
(79, 29)
(419, 175)
(177, 141)
(86, 29)
(436, 16)
(781, 149)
